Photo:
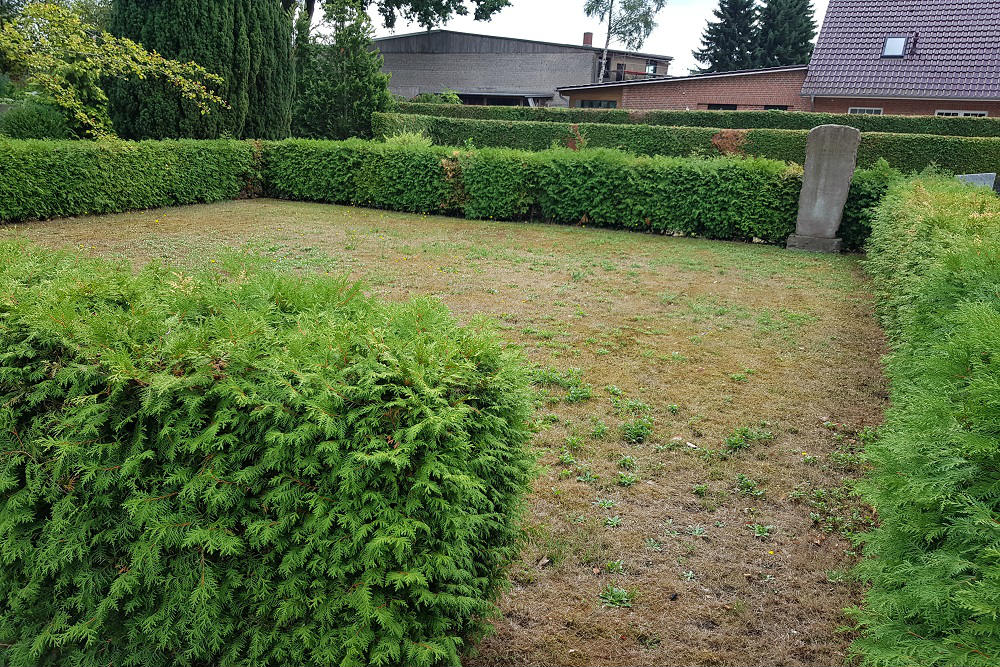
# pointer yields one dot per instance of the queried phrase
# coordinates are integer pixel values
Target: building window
(866, 111)
(599, 104)
(722, 107)
(650, 67)
(949, 112)
(620, 72)
(895, 47)
(775, 107)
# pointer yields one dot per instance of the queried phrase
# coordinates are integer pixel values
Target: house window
(775, 107)
(599, 104)
(866, 111)
(650, 67)
(722, 107)
(895, 47)
(949, 112)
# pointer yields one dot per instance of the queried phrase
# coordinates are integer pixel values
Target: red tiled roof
(952, 51)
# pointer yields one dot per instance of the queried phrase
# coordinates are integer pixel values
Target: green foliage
(340, 83)
(48, 179)
(934, 596)
(28, 119)
(907, 152)
(728, 43)
(395, 177)
(445, 97)
(785, 33)
(248, 467)
(66, 60)
(628, 22)
(745, 437)
(248, 43)
(732, 120)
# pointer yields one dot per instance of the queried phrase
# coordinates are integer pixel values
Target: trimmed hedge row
(721, 198)
(908, 152)
(725, 198)
(48, 179)
(738, 120)
(248, 467)
(933, 563)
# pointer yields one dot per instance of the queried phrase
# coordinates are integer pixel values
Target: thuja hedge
(46, 179)
(745, 120)
(933, 562)
(909, 152)
(247, 467)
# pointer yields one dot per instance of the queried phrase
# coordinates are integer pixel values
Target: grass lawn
(723, 528)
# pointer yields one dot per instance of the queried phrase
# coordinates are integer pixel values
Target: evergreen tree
(246, 42)
(341, 82)
(785, 33)
(728, 44)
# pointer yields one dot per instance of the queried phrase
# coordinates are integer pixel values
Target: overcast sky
(680, 25)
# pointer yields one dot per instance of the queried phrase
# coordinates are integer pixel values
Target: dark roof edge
(897, 96)
(582, 47)
(712, 75)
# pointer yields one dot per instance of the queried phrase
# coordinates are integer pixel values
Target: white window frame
(959, 113)
(865, 111)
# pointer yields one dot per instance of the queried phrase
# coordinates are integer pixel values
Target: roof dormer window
(895, 47)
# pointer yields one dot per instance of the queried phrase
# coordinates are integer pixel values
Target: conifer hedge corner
(247, 467)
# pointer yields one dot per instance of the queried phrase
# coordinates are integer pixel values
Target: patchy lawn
(694, 463)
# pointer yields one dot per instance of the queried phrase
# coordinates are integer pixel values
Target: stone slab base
(814, 243)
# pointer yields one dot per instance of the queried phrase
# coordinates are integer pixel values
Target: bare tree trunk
(607, 43)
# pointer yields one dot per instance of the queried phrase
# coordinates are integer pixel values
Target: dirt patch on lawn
(700, 407)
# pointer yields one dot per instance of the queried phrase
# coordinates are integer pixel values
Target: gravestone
(831, 157)
(986, 180)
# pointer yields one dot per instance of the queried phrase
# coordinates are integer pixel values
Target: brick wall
(904, 107)
(749, 92)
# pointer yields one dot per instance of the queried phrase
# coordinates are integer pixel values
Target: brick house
(778, 88)
(910, 57)
(502, 70)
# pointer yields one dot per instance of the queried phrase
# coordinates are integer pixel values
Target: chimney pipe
(588, 39)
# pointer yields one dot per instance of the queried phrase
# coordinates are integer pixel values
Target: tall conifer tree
(246, 42)
(785, 33)
(728, 43)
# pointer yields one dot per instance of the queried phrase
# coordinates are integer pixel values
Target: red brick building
(909, 57)
(774, 88)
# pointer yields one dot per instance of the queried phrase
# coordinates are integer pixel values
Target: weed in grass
(761, 532)
(836, 576)
(627, 479)
(627, 462)
(613, 390)
(688, 575)
(587, 476)
(574, 442)
(700, 490)
(697, 530)
(615, 566)
(748, 486)
(746, 436)
(613, 596)
(566, 458)
(674, 409)
(613, 521)
(599, 429)
(653, 544)
(605, 503)
(637, 430)
(579, 393)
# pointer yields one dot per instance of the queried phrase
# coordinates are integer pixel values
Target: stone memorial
(831, 157)
(986, 180)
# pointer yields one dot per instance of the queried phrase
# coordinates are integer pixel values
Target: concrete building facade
(484, 69)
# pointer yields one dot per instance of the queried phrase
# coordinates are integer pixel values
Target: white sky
(681, 24)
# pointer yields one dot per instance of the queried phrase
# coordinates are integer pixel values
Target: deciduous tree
(630, 22)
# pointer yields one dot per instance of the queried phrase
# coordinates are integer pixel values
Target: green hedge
(721, 198)
(247, 467)
(908, 152)
(47, 179)
(933, 564)
(745, 120)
